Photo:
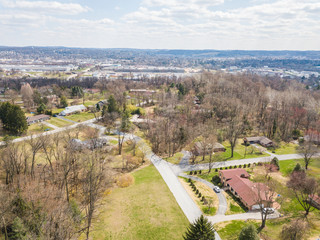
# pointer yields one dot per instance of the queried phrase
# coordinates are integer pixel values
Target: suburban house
(216, 147)
(91, 144)
(238, 183)
(101, 103)
(263, 141)
(73, 109)
(142, 91)
(37, 118)
(312, 136)
(315, 201)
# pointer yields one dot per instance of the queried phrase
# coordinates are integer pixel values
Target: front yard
(144, 210)
(284, 148)
(80, 117)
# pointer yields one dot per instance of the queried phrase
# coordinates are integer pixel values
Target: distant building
(249, 193)
(145, 91)
(101, 103)
(37, 118)
(216, 147)
(312, 136)
(73, 109)
(92, 90)
(263, 141)
(90, 144)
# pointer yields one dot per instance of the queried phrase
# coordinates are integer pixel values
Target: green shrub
(275, 161)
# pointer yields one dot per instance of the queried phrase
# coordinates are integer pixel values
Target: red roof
(316, 199)
(248, 191)
(230, 173)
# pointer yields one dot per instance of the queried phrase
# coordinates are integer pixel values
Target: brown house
(200, 147)
(263, 141)
(249, 193)
(37, 118)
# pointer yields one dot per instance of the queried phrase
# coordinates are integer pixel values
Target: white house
(73, 109)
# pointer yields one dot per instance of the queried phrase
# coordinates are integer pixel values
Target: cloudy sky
(162, 24)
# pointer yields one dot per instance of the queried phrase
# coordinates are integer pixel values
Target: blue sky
(162, 24)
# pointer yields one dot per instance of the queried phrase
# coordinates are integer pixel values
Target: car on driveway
(268, 210)
(216, 189)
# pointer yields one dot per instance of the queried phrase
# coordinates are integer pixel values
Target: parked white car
(216, 189)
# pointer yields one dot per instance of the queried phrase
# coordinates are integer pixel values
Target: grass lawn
(234, 207)
(80, 117)
(144, 210)
(205, 191)
(58, 122)
(285, 148)
(37, 128)
(230, 230)
(240, 152)
(286, 167)
(57, 110)
(175, 159)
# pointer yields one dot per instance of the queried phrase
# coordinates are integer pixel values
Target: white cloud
(155, 3)
(45, 6)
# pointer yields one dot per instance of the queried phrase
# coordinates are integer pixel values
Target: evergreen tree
(13, 118)
(77, 91)
(63, 102)
(18, 231)
(297, 168)
(112, 105)
(201, 229)
(249, 232)
(275, 161)
(42, 108)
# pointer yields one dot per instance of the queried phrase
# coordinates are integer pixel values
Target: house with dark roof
(249, 193)
(262, 140)
(208, 148)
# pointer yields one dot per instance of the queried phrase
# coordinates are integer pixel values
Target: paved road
(242, 216)
(185, 159)
(49, 132)
(50, 125)
(205, 166)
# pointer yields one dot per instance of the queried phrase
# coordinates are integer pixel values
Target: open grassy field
(144, 210)
(287, 166)
(58, 122)
(80, 117)
(285, 148)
